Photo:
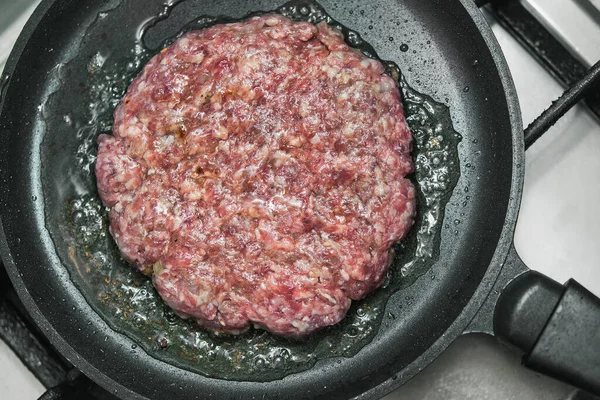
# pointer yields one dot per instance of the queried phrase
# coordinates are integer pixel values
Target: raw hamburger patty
(256, 170)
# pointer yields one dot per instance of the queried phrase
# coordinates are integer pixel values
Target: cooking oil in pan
(127, 299)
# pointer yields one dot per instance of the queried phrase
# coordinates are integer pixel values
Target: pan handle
(556, 326)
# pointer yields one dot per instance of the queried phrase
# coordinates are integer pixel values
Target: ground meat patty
(257, 171)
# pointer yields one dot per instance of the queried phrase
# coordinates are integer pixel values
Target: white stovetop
(558, 233)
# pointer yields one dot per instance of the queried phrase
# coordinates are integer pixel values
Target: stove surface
(557, 231)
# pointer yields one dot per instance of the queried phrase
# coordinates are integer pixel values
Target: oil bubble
(352, 332)
(278, 361)
(260, 362)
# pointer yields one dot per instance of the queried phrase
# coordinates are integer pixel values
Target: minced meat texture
(257, 171)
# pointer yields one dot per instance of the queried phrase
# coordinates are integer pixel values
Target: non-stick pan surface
(452, 55)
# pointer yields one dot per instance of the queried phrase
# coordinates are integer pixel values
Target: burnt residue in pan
(127, 300)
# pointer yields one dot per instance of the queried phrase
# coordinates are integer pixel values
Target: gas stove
(547, 43)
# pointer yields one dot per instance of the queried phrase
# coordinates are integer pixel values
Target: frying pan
(479, 284)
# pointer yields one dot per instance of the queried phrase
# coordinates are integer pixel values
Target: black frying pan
(475, 262)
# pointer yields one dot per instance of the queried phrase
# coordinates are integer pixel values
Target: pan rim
(451, 333)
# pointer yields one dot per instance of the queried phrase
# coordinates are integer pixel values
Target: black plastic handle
(556, 326)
